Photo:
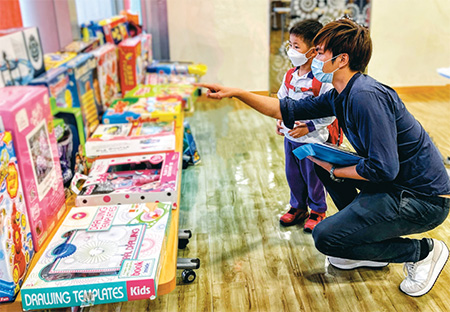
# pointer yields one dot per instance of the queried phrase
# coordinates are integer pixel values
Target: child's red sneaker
(313, 220)
(293, 216)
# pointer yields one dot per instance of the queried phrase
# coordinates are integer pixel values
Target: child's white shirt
(321, 132)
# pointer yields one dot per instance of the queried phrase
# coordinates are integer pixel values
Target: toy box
(21, 56)
(16, 246)
(56, 59)
(25, 111)
(59, 86)
(183, 68)
(130, 64)
(188, 93)
(132, 179)
(135, 138)
(147, 52)
(80, 71)
(101, 255)
(114, 29)
(156, 79)
(106, 74)
(80, 46)
(145, 109)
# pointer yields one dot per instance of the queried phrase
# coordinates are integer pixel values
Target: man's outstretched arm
(266, 105)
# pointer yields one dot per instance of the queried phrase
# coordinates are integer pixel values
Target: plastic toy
(16, 246)
(100, 255)
(25, 111)
(132, 179)
(133, 138)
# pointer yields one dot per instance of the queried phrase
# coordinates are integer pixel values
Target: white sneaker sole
(443, 257)
(357, 264)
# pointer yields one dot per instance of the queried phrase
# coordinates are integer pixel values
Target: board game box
(329, 153)
(133, 138)
(16, 246)
(131, 179)
(25, 112)
(99, 255)
(131, 68)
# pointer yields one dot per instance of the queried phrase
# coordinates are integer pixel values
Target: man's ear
(344, 59)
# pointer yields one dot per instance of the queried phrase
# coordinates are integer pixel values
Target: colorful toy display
(58, 84)
(101, 255)
(25, 111)
(133, 138)
(80, 71)
(132, 179)
(188, 93)
(130, 64)
(145, 109)
(21, 56)
(16, 246)
(106, 73)
(56, 59)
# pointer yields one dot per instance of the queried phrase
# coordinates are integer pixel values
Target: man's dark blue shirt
(396, 148)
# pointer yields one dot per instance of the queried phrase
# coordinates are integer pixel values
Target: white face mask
(297, 58)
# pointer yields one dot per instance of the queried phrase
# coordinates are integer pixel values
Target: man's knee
(322, 238)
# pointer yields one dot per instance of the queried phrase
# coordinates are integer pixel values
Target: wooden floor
(232, 202)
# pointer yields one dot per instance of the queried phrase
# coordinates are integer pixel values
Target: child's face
(297, 43)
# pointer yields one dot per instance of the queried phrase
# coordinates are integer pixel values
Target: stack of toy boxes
(16, 246)
(130, 64)
(25, 111)
(106, 73)
(80, 70)
(21, 56)
(101, 255)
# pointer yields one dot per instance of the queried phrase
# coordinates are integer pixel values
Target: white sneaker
(348, 264)
(422, 275)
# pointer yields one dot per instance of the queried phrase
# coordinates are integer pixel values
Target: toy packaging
(183, 68)
(80, 71)
(147, 52)
(145, 109)
(156, 79)
(189, 146)
(56, 59)
(80, 46)
(114, 29)
(58, 84)
(133, 138)
(101, 255)
(130, 64)
(25, 111)
(132, 179)
(16, 246)
(106, 74)
(188, 93)
(21, 56)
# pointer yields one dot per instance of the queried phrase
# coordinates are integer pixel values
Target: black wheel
(182, 243)
(188, 276)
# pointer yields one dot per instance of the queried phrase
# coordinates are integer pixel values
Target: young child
(298, 83)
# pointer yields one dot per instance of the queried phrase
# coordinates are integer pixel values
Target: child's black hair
(307, 30)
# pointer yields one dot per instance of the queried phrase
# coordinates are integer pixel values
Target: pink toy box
(16, 246)
(25, 111)
(101, 255)
(106, 75)
(132, 179)
(135, 138)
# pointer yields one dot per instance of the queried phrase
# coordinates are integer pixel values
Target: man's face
(325, 56)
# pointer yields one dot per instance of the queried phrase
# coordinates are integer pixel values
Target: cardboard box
(101, 255)
(145, 109)
(21, 56)
(57, 59)
(107, 74)
(80, 46)
(133, 138)
(16, 246)
(114, 29)
(81, 73)
(25, 111)
(131, 66)
(131, 179)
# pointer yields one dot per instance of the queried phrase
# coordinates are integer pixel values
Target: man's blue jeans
(370, 223)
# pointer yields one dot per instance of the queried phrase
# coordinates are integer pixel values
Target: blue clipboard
(328, 153)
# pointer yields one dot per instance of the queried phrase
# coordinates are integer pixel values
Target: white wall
(230, 36)
(411, 38)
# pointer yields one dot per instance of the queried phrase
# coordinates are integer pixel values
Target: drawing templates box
(25, 111)
(16, 246)
(131, 179)
(100, 255)
(133, 138)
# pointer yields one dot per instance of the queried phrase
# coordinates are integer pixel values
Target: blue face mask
(317, 70)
